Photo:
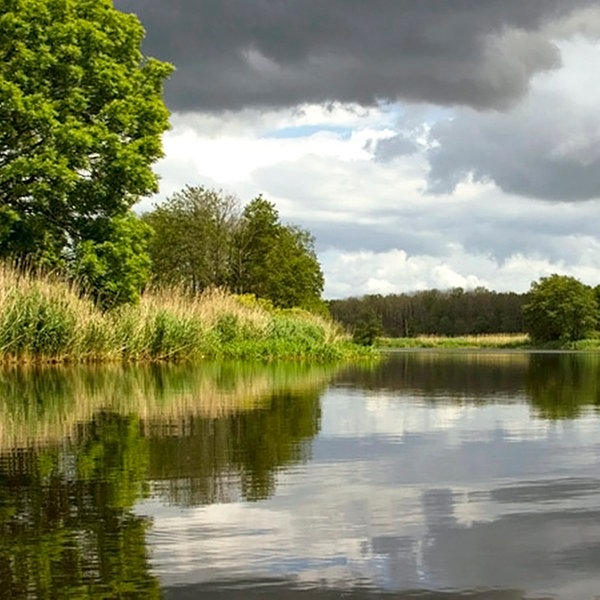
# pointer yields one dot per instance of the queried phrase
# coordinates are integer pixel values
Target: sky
(424, 143)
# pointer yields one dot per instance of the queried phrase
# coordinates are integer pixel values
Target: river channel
(430, 475)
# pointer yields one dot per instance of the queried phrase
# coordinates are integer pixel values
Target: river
(430, 475)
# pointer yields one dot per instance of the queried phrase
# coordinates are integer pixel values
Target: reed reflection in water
(81, 447)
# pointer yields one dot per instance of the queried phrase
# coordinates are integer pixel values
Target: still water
(430, 475)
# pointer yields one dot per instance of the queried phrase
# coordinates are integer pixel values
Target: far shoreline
(514, 342)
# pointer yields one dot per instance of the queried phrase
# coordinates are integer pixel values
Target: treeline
(557, 309)
(435, 312)
(203, 238)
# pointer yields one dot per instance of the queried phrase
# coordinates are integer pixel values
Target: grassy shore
(42, 319)
(500, 341)
(517, 340)
(514, 341)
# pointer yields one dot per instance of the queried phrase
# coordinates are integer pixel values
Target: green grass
(517, 341)
(499, 341)
(43, 319)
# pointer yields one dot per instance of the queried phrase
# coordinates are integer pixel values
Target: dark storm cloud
(232, 54)
(547, 148)
(390, 148)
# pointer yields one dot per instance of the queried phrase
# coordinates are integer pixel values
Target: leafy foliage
(203, 239)
(255, 243)
(367, 330)
(275, 261)
(560, 308)
(82, 118)
(115, 269)
(193, 243)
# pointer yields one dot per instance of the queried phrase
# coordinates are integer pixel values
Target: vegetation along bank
(83, 116)
(44, 319)
(558, 311)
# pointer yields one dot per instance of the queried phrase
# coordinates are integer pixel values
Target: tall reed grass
(44, 319)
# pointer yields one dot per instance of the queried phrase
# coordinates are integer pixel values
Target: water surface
(431, 475)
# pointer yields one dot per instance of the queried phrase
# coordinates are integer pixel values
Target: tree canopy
(82, 117)
(115, 269)
(192, 245)
(275, 261)
(435, 312)
(204, 238)
(560, 308)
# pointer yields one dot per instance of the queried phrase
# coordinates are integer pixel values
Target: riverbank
(43, 319)
(499, 341)
(516, 341)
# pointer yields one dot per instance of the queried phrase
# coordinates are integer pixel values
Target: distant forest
(434, 312)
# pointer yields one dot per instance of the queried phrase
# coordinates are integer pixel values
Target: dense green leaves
(192, 245)
(114, 266)
(255, 243)
(367, 330)
(560, 308)
(275, 261)
(82, 117)
(203, 238)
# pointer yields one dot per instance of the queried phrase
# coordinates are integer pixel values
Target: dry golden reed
(499, 341)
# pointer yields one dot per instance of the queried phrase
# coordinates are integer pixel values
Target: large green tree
(560, 308)
(275, 261)
(82, 117)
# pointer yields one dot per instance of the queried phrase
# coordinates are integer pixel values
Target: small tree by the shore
(560, 308)
(367, 330)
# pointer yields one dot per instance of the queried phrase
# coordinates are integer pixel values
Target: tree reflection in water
(562, 385)
(79, 449)
(558, 385)
(74, 464)
(66, 525)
